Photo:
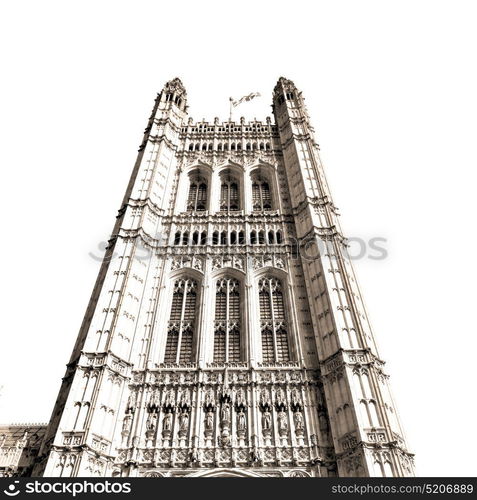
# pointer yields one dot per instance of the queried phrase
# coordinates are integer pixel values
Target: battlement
(232, 127)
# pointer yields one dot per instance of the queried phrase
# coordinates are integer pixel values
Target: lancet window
(227, 324)
(273, 323)
(261, 195)
(181, 326)
(197, 198)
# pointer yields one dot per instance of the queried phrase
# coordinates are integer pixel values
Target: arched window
(273, 324)
(219, 147)
(204, 147)
(181, 325)
(233, 238)
(241, 238)
(185, 238)
(211, 146)
(253, 238)
(227, 321)
(191, 147)
(197, 147)
(223, 238)
(261, 196)
(215, 238)
(195, 238)
(177, 238)
(229, 193)
(261, 237)
(279, 237)
(197, 198)
(270, 238)
(203, 238)
(249, 146)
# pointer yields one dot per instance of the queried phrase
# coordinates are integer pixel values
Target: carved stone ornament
(298, 422)
(266, 421)
(209, 422)
(167, 424)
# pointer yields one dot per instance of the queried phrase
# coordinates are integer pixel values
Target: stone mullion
(247, 195)
(214, 192)
(244, 321)
(205, 328)
(274, 333)
(254, 329)
(181, 322)
(227, 326)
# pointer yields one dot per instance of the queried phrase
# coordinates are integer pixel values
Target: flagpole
(230, 115)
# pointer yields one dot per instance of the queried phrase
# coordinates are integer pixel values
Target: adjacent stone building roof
(19, 445)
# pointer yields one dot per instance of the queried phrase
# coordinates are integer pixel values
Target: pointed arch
(182, 320)
(228, 319)
(196, 178)
(273, 321)
(230, 175)
(263, 179)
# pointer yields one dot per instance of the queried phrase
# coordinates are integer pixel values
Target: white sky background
(391, 89)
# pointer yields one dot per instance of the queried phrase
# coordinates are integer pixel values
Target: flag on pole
(248, 97)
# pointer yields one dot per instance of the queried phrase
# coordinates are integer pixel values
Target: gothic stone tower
(226, 333)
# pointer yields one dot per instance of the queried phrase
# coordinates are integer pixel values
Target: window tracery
(229, 193)
(197, 198)
(181, 326)
(273, 324)
(261, 195)
(227, 323)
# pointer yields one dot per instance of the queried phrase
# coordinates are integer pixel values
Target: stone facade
(226, 333)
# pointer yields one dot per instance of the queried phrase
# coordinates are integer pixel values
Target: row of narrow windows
(289, 96)
(262, 146)
(229, 238)
(228, 330)
(172, 98)
(230, 128)
(197, 199)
